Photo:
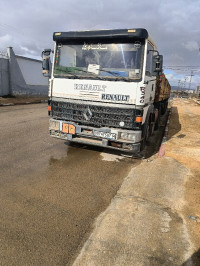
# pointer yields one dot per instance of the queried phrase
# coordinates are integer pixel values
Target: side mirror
(157, 65)
(46, 63)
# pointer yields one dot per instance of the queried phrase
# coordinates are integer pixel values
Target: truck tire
(157, 124)
(147, 127)
(164, 106)
(146, 134)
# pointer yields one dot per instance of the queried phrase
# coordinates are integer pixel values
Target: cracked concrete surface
(143, 224)
(154, 218)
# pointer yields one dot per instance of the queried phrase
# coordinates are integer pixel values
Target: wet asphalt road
(50, 192)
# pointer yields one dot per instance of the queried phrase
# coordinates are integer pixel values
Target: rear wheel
(164, 106)
(157, 124)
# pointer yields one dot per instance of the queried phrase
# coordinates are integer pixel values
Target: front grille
(92, 115)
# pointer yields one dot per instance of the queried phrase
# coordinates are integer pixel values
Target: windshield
(112, 61)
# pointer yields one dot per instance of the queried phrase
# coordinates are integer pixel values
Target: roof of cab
(101, 34)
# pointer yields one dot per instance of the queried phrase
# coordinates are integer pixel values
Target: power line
(191, 79)
(181, 66)
(183, 70)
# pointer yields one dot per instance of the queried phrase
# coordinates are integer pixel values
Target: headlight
(131, 137)
(124, 135)
(128, 136)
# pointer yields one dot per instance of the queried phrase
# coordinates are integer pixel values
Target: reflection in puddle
(110, 157)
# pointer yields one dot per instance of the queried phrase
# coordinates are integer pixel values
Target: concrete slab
(143, 225)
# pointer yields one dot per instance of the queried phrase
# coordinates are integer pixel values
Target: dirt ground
(184, 145)
(149, 221)
(50, 192)
(15, 100)
(154, 219)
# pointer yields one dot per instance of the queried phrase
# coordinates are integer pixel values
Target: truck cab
(103, 86)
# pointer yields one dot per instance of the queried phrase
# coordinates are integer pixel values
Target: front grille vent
(92, 115)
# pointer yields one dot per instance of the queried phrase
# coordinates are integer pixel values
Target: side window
(149, 60)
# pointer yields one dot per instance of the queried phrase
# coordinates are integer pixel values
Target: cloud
(191, 45)
(175, 59)
(183, 79)
(5, 41)
(28, 25)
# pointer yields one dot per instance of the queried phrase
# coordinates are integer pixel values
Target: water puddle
(110, 157)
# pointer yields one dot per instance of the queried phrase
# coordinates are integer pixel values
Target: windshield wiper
(66, 70)
(70, 70)
(115, 74)
(110, 72)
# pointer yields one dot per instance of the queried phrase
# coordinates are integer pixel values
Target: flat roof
(28, 58)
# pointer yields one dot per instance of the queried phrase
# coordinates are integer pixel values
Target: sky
(28, 26)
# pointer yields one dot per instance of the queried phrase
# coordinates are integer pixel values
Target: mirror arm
(46, 62)
(147, 81)
(153, 51)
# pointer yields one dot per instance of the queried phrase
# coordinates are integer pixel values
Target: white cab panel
(96, 90)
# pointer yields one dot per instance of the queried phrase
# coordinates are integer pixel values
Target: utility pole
(179, 84)
(184, 83)
(191, 75)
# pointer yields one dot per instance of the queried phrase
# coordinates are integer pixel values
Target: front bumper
(107, 137)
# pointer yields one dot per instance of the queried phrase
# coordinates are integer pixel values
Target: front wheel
(146, 135)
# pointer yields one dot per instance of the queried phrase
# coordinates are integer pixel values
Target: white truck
(104, 88)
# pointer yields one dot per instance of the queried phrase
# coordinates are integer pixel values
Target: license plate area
(105, 135)
(68, 128)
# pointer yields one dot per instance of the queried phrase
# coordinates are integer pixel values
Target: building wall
(21, 76)
(4, 78)
(32, 71)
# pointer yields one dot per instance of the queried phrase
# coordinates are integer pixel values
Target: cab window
(149, 60)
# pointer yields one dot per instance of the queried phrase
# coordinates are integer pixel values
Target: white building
(21, 75)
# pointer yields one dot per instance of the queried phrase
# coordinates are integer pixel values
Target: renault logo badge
(87, 114)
